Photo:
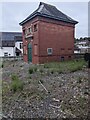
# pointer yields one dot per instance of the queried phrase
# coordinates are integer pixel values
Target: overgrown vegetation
(32, 69)
(16, 84)
(65, 66)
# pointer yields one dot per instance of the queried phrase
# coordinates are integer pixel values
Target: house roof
(49, 11)
(7, 39)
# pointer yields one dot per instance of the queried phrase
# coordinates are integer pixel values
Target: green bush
(16, 84)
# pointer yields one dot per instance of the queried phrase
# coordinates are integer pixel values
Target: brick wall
(50, 34)
(58, 36)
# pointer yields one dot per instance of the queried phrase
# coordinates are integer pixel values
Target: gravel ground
(45, 95)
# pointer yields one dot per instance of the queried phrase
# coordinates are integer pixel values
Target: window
(35, 27)
(6, 54)
(49, 51)
(35, 49)
(21, 45)
(30, 30)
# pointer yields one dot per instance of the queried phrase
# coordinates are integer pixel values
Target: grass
(32, 69)
(65, 66)
(16, 84)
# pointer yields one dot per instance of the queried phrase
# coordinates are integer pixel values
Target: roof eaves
(27, 19)
(47, 16)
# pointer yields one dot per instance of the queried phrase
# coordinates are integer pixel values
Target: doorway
(29, 52)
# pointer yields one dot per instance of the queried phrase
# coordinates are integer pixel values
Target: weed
(41, 70)
(79, 80)
(14, 77)
(82, 101)
(66, 66)
(16, 84)
(35, 69)
(31, 70)
(46, 66)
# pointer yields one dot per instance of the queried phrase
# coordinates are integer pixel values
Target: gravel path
(67, 96)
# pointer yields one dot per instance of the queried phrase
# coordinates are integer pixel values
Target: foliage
(32, 69)
(65, 66)
(16, 84)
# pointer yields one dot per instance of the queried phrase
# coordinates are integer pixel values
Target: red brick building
(48, 35)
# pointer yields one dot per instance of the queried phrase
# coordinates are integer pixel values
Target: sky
(12, 13)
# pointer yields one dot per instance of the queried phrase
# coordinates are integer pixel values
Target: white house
(10, 44)
(82, 47)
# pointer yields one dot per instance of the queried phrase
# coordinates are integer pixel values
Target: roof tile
(49, 11)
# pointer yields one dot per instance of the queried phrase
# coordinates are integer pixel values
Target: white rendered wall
(9, 50)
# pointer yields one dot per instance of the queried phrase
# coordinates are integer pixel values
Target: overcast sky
(14, 12)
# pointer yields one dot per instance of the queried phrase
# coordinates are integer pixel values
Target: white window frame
(49, 53)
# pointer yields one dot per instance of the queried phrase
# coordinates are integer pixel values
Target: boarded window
(49, 51)
(35, 50)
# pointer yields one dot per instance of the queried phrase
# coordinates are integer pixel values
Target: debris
(43, 87)
(55, 106)
(57, 100)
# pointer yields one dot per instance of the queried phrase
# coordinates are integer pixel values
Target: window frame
(48, 52)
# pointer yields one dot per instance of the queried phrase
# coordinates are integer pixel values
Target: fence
(11, 58)
(78, 55)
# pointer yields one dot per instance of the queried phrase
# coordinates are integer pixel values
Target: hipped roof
(49, 11)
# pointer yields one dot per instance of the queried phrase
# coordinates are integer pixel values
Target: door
(29, 52)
